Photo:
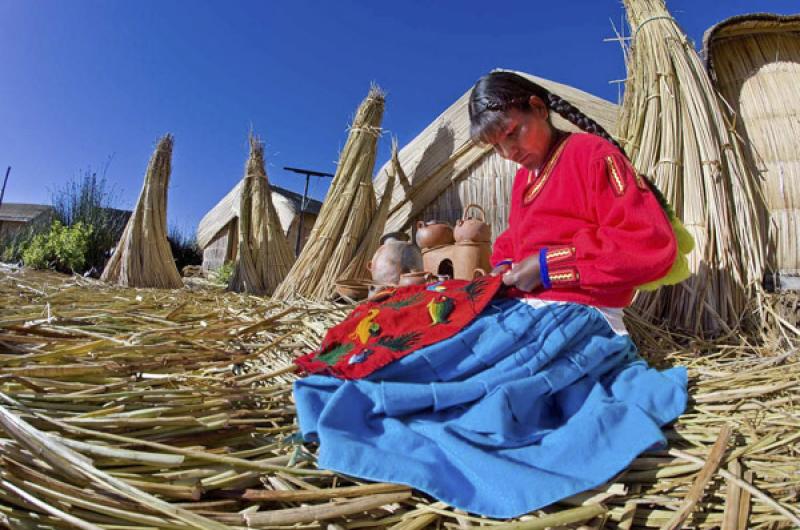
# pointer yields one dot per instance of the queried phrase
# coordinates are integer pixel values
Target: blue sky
(82, 81)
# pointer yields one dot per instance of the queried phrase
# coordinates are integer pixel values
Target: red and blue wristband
(544, 271)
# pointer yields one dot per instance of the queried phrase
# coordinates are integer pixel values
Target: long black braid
(500, 91)
(572, 114)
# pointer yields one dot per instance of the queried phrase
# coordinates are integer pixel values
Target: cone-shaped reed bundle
(357, 269)
(675, 131)
(347, 212)
(263, 257)
(143, 257)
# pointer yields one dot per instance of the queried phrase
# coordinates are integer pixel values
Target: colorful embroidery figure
(333, 355)
(475, 289)
(440, 308)
(360, 357)
(542, 394)
(438, 287)
(398, 325)
(366, 327)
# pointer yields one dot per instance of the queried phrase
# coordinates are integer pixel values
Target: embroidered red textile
(404, 320)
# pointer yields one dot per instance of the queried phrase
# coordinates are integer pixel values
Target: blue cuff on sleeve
(543, 271)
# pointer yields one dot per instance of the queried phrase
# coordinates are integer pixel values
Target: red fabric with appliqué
(377, 333)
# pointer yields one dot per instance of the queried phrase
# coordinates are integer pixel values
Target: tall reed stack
(347, 212)
(358, 267)
(674, 128)
(143, 257)
(264, 256)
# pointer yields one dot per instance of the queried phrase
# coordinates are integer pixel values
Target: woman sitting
(543, 395)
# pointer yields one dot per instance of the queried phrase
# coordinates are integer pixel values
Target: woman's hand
(501, 269)
(524, 275)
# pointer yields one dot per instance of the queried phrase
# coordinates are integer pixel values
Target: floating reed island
(127, 406)
(146, 408)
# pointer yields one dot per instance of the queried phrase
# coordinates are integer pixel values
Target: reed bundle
(182, 418)
(358, 267)
(346, 213)
(676, 132)
(143, 257)
(264, 257)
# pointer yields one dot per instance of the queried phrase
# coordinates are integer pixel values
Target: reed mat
(127, 408)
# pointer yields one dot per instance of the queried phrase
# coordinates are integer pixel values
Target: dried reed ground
(181, 407)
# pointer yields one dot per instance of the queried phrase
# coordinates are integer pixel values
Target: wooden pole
(3, 193)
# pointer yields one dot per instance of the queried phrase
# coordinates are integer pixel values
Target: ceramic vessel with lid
(473, 229)
(433, 234)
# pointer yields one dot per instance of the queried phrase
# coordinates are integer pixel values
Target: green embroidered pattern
(474, 289)
(333, 355)
(401, 342)
(439, 309)
(403, 302)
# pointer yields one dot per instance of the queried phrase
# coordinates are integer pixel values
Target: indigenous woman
(543, 395)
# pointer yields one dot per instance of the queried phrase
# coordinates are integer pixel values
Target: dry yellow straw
(143, 257)
(369, 244)
(347, 212)
(264, 257)
(675, 131)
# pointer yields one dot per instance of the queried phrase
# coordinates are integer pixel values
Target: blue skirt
(524, 407)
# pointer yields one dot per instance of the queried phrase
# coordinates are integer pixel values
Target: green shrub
(87, 199)
(62, 248)
(223, 275)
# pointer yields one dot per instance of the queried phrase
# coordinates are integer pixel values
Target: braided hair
(498, 92)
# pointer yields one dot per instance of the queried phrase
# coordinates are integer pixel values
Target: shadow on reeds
(435, 159)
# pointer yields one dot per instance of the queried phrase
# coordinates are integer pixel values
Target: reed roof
(747, 25)
(22, 212)
(754, 61)
(287, 203)
(443, 153)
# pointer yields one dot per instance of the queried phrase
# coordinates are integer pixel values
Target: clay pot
(352, 289)
(394, 257)
(414, 278)
(470, 228)
(433, 234)
(471, 260)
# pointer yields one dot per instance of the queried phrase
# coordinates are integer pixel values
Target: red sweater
(604, 230)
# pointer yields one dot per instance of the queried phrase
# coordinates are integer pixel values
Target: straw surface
(183, 404)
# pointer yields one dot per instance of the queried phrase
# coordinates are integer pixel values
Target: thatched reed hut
(14, 216)
(447, 171)
(218, 229)
(754, 61)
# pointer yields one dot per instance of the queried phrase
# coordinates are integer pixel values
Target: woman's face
(527, 135)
